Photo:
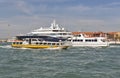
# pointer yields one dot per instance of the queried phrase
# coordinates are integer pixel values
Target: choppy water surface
(70, 63)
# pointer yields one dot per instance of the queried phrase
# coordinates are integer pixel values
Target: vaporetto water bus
(81, 40)
(36, 43)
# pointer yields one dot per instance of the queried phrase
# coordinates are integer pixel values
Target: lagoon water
(70, 63)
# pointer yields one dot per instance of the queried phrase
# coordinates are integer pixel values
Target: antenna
(54, 22)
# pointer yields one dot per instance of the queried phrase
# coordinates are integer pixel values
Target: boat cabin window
(45, 43)
(36, 43)
(49, 43)
(87, 40)
(77, 40)
(80, 40)
(34, 40)
(95, 40)
(17, 42)
(27, 40)
(53, 34)
(79, 35)
(13, 42)
(74, 40)
(55, 30)
(91, 40)
(39, 39)
(60, 33)
(68, 40)
(64, 34)
(53, 43)
(61, 30)
(20, 42)
(40, 43)
(57, 43)
(103, 40)
(62, 43)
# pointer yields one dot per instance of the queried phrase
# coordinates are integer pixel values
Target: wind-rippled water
(70, 63)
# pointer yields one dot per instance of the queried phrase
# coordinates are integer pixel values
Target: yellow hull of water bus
(39, 46)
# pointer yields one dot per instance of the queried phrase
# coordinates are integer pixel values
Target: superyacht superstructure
(54, 33)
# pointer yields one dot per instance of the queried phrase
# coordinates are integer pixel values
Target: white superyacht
(52, 33)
